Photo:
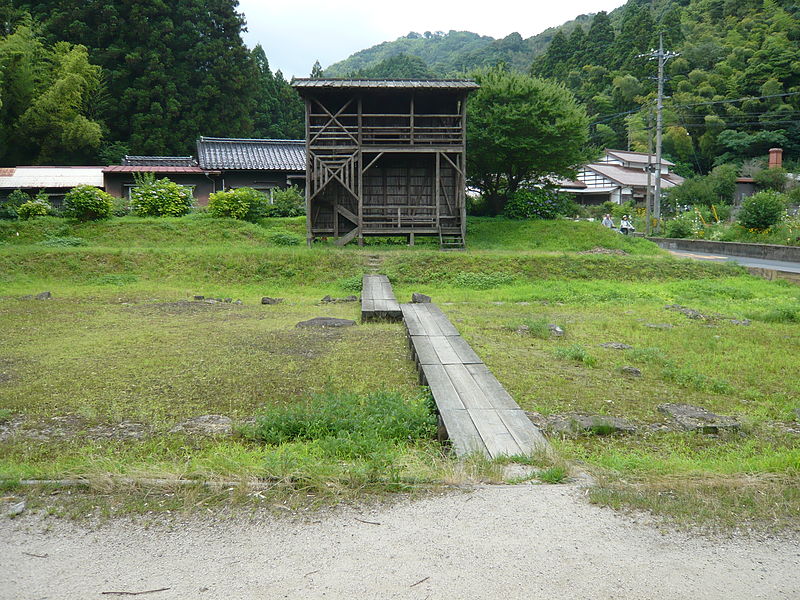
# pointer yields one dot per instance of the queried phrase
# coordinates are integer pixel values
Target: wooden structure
(377, 299)
(475, 413)
(385, 158)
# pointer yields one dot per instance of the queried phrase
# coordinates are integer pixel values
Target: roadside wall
(765, 251)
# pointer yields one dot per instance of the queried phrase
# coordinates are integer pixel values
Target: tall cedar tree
(521, 129)
(174, 70)
(279, 111)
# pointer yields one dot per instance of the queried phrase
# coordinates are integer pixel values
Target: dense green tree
(175, 70)
(599, 40)
(48, 101)
(279, 111)
(316, 71)
(521, 129)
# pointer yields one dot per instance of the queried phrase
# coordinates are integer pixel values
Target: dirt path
(496, 542)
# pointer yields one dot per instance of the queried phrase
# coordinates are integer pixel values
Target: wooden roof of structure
(410, 84)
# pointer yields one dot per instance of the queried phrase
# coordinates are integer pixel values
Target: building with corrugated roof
(53, 181)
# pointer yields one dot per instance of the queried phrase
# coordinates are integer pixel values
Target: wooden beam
(372, 162)
(347, 214)
(348, 237)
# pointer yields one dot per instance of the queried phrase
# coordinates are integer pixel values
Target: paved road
(778, 265)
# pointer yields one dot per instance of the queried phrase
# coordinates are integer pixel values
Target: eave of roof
(155, 169)
(431, 84)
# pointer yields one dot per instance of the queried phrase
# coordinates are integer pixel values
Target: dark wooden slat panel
(411, 320)
(441, 320)
(423, 350)
(463, 433)
(494, 433)
(444, 393)
(468, 389)
(527, 435)
(493, 390)
(465, 352)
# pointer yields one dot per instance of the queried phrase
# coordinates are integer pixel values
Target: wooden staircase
(451, 238)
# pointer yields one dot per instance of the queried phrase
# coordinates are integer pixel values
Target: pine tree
(316, 71)
(600, 40)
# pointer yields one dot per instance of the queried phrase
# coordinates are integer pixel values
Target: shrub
(34, 208)
(537, 203)
(289, 202)
(88, 203)
(771, 179)
(681, 226)
(8, 209)
(122, 207)
(762, 210)
(160, 197)
(242, 203)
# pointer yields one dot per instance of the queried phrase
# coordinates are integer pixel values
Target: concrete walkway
(510, 542)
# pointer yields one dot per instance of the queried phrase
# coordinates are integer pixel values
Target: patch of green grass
(5, 415)
(347, 421)
(62, 242)
(537, 327)
(577, 353)
(553, 475)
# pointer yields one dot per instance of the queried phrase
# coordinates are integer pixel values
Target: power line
(604, 118)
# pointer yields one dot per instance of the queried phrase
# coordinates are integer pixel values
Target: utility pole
(662, 57)
(649, 195)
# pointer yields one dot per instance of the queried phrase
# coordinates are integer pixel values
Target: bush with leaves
(682, 226)
(153, 197)
(288, 202)
(242, 203)
(772, 179)
(88, 203)
(763, 210)
(9, 207)
(537, 203)
(34, 208)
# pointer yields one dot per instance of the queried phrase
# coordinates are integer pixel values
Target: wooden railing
(398, 217)
(385, 129)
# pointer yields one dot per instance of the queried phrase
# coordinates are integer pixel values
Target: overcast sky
(296, 33)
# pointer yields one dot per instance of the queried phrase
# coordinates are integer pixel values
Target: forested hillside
(91, 80)
(454, 52)
(729, 50)
(734, 90)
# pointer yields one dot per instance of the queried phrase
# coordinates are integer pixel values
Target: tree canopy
(521, 129)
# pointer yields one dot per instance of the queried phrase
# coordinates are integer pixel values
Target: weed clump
(347, 425)
(577, 353)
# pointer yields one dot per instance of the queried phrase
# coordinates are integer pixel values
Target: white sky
(295, 34)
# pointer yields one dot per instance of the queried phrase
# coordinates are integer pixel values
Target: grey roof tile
(159, 161)
(232, 154)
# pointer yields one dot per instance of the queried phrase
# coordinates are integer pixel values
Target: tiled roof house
(620, 176)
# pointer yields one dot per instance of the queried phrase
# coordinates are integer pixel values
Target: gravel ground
(509, 542)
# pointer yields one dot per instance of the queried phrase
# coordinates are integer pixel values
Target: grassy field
(122, 347)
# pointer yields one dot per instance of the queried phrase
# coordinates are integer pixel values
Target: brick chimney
(775, 158)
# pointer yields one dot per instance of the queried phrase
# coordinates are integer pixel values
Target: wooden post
(309, 177)
(411, 121)
(463, 178)
(437, 185)
(359, 175)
